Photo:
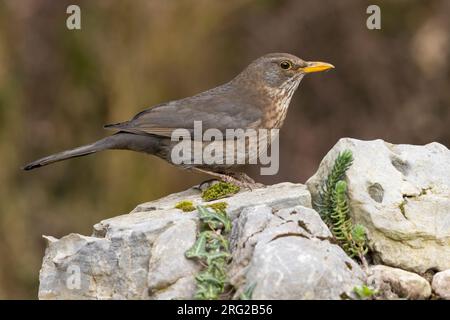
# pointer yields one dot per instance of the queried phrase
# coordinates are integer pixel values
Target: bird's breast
(276, 111)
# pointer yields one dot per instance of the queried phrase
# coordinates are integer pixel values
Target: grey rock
(281, 195)
(294, 267)
(287, 254)
(441, 284)
(167, 263)
(394, 283)
(141, 255)
(401, 194)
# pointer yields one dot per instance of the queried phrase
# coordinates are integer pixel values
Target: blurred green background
(58, 87)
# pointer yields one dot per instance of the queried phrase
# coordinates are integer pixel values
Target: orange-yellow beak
(316, 66)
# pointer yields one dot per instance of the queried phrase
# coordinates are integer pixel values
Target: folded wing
(214, 109)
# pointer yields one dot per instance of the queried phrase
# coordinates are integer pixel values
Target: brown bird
(257, 98)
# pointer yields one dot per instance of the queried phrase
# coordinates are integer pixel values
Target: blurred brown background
(58, 87)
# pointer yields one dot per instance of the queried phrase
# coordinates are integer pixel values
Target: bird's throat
(277, 110)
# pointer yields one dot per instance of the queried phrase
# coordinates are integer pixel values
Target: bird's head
(281, 70)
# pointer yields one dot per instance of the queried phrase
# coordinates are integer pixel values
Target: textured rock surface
(395, 283)
(278, 196)
(288, 255)
(441, 284)
(278, 243)
(401, 194)
(141, 255)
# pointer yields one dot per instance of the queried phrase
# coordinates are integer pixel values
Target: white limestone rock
(401, 194)
(289, 254)
(141, 255)
(394, 283)
(441, 284)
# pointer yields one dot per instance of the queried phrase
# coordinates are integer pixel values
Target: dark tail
(97, 146)
(119, 140)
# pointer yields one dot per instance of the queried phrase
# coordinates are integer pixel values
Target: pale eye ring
(286, 65)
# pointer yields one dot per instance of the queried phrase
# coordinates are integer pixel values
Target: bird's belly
(215, 155)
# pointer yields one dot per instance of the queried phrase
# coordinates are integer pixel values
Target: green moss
(219, 190)
(185, 205)
(218, 206)
(188, 206)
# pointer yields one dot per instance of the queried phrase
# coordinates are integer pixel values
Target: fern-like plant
(351, 237)
(343, 161)
(212, 249)
(334, 209)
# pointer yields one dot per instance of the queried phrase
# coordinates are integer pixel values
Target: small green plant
(215, 219)
(334, 210)
(185, 205)
(343, 161)
(364, 292)
(359, 239)
(248, 292)
(212, 249)
(219, 190)
(351, 237)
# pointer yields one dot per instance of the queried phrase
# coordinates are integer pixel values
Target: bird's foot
(206, 184)
(239, 179)
(222, 178)
(241, 176)
(244, 181)
(248, 185)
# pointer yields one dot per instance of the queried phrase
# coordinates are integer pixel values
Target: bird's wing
(218, 111)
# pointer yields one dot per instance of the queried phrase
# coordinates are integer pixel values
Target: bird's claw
(206, 184)
(241, 180)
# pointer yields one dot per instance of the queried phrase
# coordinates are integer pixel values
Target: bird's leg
(241, 176)
(206, 184)
(220, 176)
(244, 178)
(239, 179)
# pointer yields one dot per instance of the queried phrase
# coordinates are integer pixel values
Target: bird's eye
(286, 65)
